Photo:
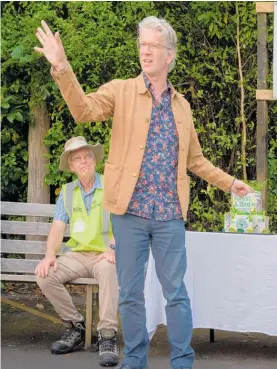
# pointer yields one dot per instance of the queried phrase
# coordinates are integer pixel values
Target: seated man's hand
(42, 269)
(109, 255)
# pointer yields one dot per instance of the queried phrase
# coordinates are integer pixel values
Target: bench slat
(18, 265)
(27, 209)
(32, 278)
(27, 228)
(25, 247)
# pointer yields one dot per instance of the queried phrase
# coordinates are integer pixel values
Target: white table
(231, 280)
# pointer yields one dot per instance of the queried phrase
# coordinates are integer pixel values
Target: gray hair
(165, 29)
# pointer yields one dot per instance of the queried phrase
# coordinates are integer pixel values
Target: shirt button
(147, 120)
(141, 147)
(134, 174)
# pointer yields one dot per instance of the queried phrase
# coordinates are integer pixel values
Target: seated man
(80, 205)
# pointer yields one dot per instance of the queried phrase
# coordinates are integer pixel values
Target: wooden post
(88, 316)
(38, 191)
(262, 106)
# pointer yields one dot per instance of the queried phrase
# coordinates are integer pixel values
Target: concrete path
(14, 358)
(26, 340)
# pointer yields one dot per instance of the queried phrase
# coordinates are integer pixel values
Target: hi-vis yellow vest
(87, 232)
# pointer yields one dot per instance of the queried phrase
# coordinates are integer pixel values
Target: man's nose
(146, 51)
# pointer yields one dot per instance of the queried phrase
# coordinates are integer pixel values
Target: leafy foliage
(99, 39)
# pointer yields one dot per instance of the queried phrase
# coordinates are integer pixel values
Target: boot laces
(107, 344)
(71, 334)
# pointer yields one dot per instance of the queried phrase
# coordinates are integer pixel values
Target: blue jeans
(132, 236)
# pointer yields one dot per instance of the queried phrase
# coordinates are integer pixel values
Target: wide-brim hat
(76, 143)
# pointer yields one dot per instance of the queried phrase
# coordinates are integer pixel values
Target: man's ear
(70, 166)
(171, 56)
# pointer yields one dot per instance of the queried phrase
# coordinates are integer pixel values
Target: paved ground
(26, 340)
(30, 358)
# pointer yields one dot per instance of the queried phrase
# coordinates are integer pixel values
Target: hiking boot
(72, 339)
(108, 354)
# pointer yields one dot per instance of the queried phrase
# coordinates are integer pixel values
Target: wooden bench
(22, 270)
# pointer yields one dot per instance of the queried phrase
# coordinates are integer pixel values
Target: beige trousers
(73, 265)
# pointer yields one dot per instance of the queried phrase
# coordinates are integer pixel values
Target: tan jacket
(130, 104)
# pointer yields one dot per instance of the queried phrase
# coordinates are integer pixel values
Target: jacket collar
(142, 88)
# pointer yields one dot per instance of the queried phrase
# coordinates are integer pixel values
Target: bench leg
(211, 335)
(88, 316)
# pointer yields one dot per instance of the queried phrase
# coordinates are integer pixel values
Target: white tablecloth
(231, 280)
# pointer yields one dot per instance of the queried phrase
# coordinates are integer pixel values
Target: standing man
(92, 255)
(153, 143)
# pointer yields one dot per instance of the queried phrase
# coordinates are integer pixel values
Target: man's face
(154, 52)
(82, 163)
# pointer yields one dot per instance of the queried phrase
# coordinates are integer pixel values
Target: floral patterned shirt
(155, 195)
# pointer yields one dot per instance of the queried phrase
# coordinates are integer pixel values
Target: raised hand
(52, 47)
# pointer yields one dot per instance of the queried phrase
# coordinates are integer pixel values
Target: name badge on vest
(79, 227)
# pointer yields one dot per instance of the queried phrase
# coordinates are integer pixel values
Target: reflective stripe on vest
(105, 214)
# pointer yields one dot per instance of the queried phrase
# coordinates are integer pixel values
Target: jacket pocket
(113, 175)
(188, 187)
(185, 185)
(184, 192)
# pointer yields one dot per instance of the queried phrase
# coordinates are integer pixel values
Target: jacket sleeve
(202, 167)
(97, 106)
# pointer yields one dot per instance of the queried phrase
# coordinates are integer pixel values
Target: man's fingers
(55, 266)
(57, 37)
(39, 49)
(41, 272)
(38, 271)
(111, 259)
(46, 28)
(100, 257)
(41, 39)
(243, 193)
(46, 270)
(42, 33)
(108, 257)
